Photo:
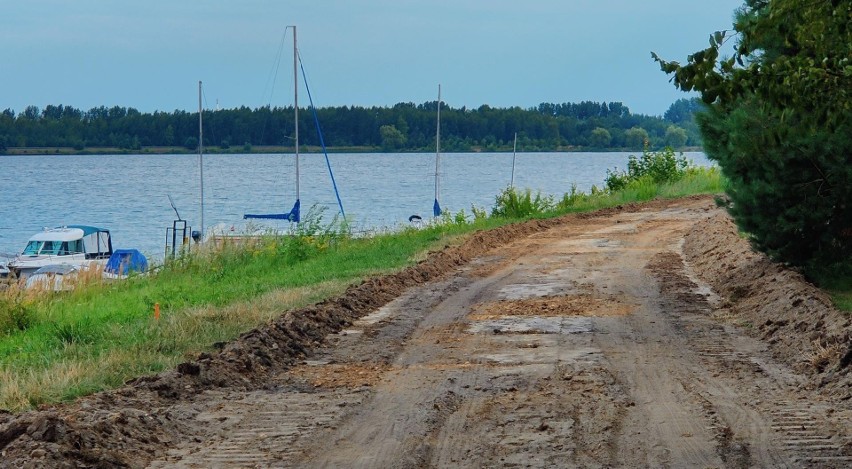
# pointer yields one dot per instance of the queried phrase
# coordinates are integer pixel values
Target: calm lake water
(128, 194)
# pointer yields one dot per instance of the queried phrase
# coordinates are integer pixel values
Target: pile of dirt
(774, 303)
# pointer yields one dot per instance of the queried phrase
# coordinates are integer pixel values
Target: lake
(128, 194)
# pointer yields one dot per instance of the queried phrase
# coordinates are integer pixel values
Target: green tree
(600, 138)
(675, 137)
(191, 143)
(635, 138)
(683, 110)
(392, 139)
(778, 123)
(169, 136)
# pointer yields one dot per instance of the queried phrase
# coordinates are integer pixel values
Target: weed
(511, 203)
(15, 315)
(80, 331)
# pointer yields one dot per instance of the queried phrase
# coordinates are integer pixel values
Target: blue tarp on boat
(125, 261)
(292, 215)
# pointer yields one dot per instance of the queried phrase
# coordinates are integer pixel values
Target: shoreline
(261, 150)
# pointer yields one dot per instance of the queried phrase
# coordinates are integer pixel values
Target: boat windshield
(53, 248)
(33, 247)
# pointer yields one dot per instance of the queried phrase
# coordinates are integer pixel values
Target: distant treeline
(404, 127)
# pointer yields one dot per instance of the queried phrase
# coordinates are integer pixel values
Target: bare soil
(648, 335)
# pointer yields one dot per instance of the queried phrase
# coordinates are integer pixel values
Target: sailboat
(436, 207)
(294, 214)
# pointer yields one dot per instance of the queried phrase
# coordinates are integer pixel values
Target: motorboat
(54, 277)
(75, 245)
(4, 259)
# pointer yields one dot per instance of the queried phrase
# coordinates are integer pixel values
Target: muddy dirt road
(592, 343)
(587, 345)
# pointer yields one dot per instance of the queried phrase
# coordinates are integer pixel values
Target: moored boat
(75, 245)
(124, 263)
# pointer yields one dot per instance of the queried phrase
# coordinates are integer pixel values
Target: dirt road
(589, 344)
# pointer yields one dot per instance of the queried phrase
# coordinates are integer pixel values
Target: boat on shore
(75, 245)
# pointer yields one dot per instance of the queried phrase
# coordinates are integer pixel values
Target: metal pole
(201, 158)
(296, 104)
(514, 151)
(438, 146)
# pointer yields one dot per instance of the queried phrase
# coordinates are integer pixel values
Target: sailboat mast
(514, 151)
(296, 105)
(438, 149)
(201, 158)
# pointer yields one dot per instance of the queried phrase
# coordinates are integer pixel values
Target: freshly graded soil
(648, 335)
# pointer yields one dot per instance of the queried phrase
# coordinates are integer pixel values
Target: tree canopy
(778, 123)
(402, 127)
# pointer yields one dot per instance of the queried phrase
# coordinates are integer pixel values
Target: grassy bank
(55, 347)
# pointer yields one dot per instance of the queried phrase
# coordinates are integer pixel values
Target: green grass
(843, 299)
(56, 347)
(839, 286)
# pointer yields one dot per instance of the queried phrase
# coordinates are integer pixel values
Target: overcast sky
(150, 54)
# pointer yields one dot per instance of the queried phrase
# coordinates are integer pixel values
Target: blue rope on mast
(319, 133)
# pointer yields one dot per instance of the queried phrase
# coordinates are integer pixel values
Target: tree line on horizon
(587, 125)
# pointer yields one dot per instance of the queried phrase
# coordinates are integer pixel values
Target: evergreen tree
(778, 123)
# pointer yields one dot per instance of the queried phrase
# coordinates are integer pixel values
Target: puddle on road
(519, 291)
(607, 243)
(621, 228)
(587, 245)
(545, 355)
(533, 325)
(373, 318)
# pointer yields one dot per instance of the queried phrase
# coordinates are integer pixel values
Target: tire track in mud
(259, 428)
(797, 429)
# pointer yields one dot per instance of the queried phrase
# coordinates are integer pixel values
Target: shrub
(15, 313)
(510, 203)
(659, 166)
(311, 236)
(572, 199)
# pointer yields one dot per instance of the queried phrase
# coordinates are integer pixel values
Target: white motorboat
(54, 277)
(75, 245)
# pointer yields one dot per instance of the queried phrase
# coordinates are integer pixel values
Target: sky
(151, 54)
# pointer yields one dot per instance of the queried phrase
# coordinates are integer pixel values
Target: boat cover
(87, 230)
(292, 215)
(125, 261)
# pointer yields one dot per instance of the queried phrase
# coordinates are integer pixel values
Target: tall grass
(58, 346)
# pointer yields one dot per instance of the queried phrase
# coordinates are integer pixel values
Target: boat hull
(24, 266)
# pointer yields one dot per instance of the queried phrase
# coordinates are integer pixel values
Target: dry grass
(190, 329)
(824, 353)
